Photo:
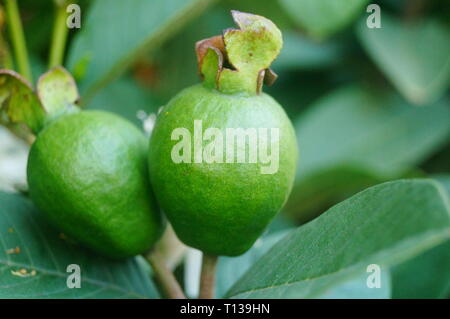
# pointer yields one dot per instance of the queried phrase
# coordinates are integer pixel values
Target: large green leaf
(425, 276)
(34, 259)
(353, 138)
(321, 18)
(384, 225)
(415, 57)
(230, 269)
(117, 31)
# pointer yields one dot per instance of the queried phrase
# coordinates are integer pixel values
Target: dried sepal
(201, 48)
(270, 77)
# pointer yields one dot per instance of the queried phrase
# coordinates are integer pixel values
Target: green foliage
(34, 258)
(301, 53)
(414, 57)
(230, 269)
(116, 32)
(425, 276)
(320, 18)
(353, 138)
(125, 98)
(382, 225)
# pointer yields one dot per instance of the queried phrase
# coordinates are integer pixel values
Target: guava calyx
(56, 94)
(238, 61)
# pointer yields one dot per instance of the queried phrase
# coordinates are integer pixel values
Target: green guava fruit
(222, 154)
(87, 172)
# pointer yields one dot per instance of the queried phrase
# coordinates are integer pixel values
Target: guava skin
(87, 172)
(220, 208)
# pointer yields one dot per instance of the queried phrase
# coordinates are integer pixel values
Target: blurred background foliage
(368, 105)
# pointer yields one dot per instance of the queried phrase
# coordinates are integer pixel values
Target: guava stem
(5, 57)
(208, 277)
(18, 38)
(165, 278)
(59, 37)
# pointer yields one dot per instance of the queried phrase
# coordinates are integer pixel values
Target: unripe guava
(87, 172)
(220, 208)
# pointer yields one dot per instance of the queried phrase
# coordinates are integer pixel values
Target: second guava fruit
(87, 172)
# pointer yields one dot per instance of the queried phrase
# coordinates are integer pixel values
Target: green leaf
(315, 192)
(380, 132)
(384, 225)
(116, 32)
(356, 288)
(353, 138)
(175, 61)
(321, 18)
(125, 98)
(57, 91)
(300, 53)
(230, 269)
(34, 260)
(425, 276)
(444, 179)
(414, 57)
(18, 102)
